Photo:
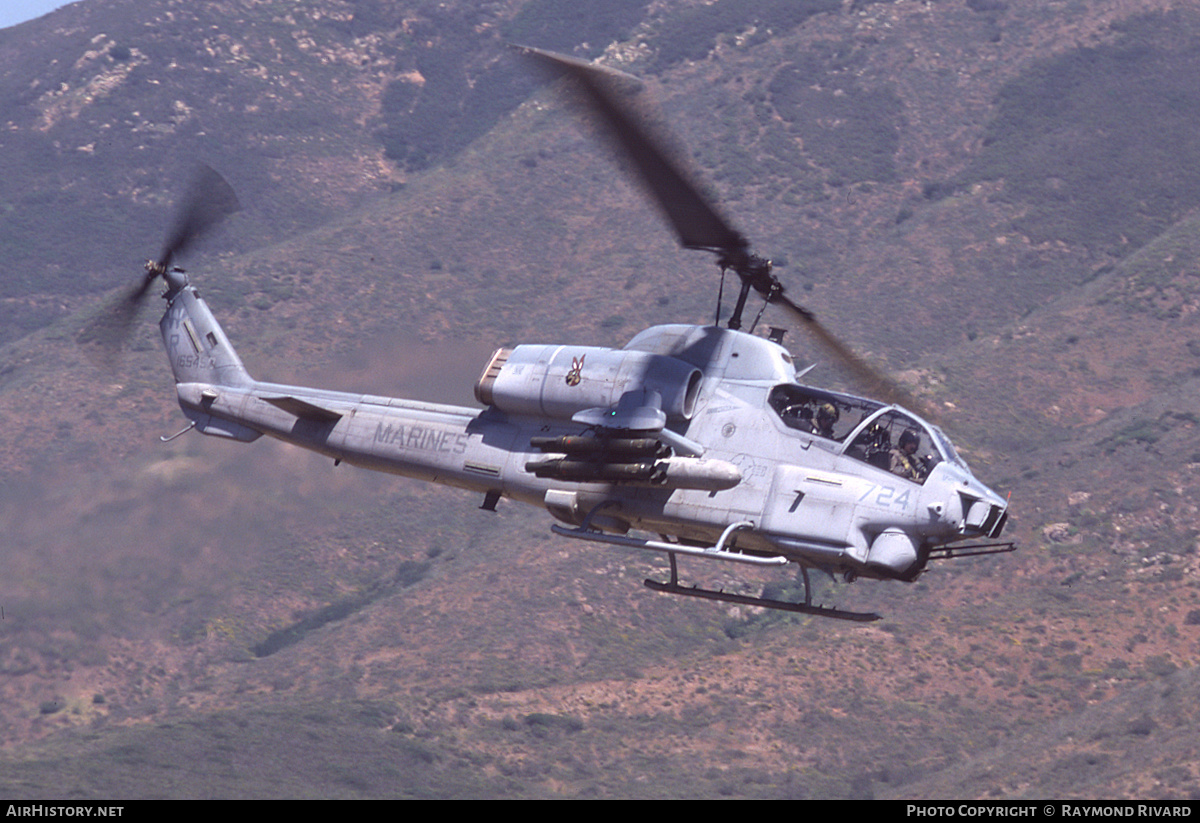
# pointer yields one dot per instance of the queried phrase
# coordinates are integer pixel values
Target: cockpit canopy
(887, 437)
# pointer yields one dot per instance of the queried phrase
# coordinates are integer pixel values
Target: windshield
(948, 450)
(883, 436)
(897, 442)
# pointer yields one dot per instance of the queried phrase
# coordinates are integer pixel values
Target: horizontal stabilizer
(304, 409)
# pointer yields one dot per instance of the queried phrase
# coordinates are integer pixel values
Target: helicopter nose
(984, 516)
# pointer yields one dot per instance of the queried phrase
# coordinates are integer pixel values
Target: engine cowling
(559, 381)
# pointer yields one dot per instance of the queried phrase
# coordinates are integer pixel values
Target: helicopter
(693, 441)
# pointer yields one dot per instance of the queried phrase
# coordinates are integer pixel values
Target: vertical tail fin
(196, 345)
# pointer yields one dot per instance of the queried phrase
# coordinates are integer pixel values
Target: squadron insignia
(576, 372)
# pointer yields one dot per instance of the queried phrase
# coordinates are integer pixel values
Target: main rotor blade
(696, 220)
(870, 380)
(694, 217)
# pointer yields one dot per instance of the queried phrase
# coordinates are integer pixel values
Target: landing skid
(674, 587)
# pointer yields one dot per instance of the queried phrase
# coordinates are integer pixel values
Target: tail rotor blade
(207, 201)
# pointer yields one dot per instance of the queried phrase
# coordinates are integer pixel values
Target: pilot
(904, 460)
(798, 416)
(827, 415)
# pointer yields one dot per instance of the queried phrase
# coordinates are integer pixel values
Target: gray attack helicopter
(693, 441)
